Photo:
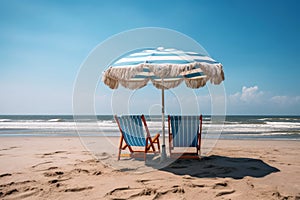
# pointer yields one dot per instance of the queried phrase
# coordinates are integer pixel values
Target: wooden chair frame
(149, 147)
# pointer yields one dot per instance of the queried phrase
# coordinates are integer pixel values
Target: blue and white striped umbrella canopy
(165, 68)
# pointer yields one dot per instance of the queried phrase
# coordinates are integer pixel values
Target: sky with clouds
(44, 43)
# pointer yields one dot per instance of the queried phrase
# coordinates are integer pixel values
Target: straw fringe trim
(133, 85)
(196, 83)
(113, 76)
(110, 82)
(167, 84)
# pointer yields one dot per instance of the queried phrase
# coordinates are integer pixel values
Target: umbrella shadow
(221, 166)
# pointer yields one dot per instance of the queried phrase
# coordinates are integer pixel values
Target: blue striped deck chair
(185, 136)
(136, 139)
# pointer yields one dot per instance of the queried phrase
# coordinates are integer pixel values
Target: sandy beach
(62, 168)
(219, 78)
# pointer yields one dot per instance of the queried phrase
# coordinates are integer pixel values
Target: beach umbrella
(166, 68)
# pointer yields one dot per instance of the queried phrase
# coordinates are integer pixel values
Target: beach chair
(185, 136)
(134, 137)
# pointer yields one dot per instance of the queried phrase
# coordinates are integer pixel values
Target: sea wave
(285, 124)
(5, 120)
(55, 120)
(234, 127)
(281, 133)
(263, 119)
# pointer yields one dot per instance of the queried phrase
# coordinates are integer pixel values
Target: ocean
(235, 127)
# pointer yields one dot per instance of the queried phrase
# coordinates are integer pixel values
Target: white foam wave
(264, 119)
(109, 126)
(281, 133)
(285, 123)
(55, 120)
(5, 120)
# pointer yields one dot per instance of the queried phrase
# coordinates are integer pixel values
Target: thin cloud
(285, 100)
(251, 100)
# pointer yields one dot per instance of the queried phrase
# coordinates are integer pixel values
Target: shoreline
(235, 127)
(19, 135)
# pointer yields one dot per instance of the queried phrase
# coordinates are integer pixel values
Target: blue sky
(43, 44)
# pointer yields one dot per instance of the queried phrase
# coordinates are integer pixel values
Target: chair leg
(152, 145)
(158, 146)
(119, 154)
(156, 140)
(120, 147)
(146, 148)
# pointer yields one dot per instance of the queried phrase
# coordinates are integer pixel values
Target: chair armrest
(156, 137)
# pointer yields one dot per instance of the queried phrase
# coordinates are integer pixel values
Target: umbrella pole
(163, 149)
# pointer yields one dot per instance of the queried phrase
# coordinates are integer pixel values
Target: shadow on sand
(221, 166)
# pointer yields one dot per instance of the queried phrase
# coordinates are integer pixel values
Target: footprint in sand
(52, 153)
(224, 192)
(56, 173)
(175, 190)
(19, 190)
(9, 148)
(250, 184)
(6, 174)
(97, 173)
(53, 181)
(153, 192)
(85, 171)
(223, 188)
(128, 193)
(277, 195)
(51, 168)
(9, 192)
(194, 185)
(78, 189)
(220, 185)
(78, 170)
(43, 163)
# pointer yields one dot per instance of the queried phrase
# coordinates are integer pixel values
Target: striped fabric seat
(132, 128)
(134, 135)
(185, 131)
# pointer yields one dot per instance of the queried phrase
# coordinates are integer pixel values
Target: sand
(62, 168)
